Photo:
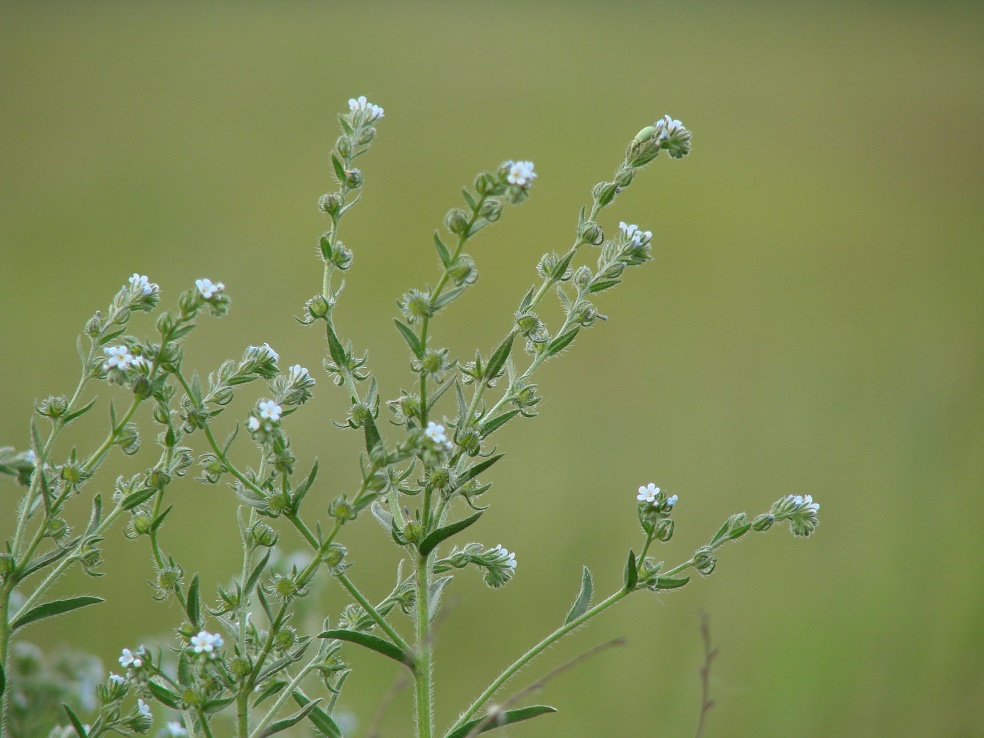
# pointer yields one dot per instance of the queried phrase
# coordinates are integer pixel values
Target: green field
(812, 322)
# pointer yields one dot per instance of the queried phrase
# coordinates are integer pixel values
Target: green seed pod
(592, 233)
(456, 220)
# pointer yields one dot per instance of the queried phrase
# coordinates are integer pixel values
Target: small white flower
(129, 658)
(265, 348)
(207, 289)
(435, 432)
(521, 173)
(509, 559)
(140, 282)
(116, 678)
(671, 501)
(31, 457)
(636, 236)
(648, 493)
(206, 642)
(269, 410)
(361, 105)
(119, 358)
(809, 505)
(299, 375)
(175, 729)
(143, 708)
(253, 423)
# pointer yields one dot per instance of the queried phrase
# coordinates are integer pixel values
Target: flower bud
(592, 233)
(664, 530)
(317, 307)
(334, 557)
(344, 146)
(353, 178)
(704, 561)
(366, 135)
(763, 522)
(485, 183)
(582, 276)
(341, 509)
(604, 192)
(53, 406)
(624, 177)
(456, 220)
(263, 535)
(491, 210)
(142, 524)
(240, 668)
(330, 203)
(94, 325)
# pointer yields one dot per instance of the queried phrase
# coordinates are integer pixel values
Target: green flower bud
(341, 509)
(330, 203)
(763, 522)
(334, 558)
(142, 524)
(94, 326)
(317, 307)
(704, 561)
(582, 276)
(664, 530)
(592, 233)
(366, 135)
(53, 406)
(354, 178)
(344, 146)
(485, 183)
(456, 220)
(263, 535)
(624, 177)
(491, 210)
(240, 668)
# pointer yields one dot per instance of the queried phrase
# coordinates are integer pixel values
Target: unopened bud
(456, 220)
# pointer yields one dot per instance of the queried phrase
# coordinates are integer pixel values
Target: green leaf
(498, 358)
(528, 300)
(439, 392)
(462, 405)
(76, 723)
(448, 296)
(431, 541)
(373, 438)
(493, 425)
(55, 607)
(95, 516)
(738, 532)
(305, 487)
(42, 561)
(474, 471)
(606, 284)
(135, 498)
(193, 605)
(321, 719)
(561, 342)
(583, 600)
(3, 681)
(282, 725)
(160, 519)
(671, 582)
(271, 689)
(81, 411)
(255, 575)
(468, 198)
(373, 643)
(212, 706)
(442, 251)
(506, 718)
(411, 338)
(335, 346)
(722, 531)
(631, 576)
(339, 168)
(164, 695)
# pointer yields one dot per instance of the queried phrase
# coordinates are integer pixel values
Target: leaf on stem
(373, 643)
(321, 719)
(442, 251)
(164, 695)
(76, 723)
(583, 600)
(282, 725)
(411, 338)
(441, 534)
(631, 572)
(193, 605)
(305, 487)
(505, 718)
(50, 609)
(498, 358)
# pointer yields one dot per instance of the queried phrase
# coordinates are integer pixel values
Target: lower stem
(4, 644)
(422, 671)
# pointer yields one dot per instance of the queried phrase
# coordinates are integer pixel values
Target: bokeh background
(812, 322)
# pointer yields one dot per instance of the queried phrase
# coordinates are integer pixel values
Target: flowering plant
(240, 660)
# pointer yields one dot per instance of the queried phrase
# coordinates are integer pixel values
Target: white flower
(270, 353)
(636, 236)
(361, 105)
(207, 289)
(206, 642)
(116, 678)
(140, 282)
(143, 708)
(253, 423)
(436, 433)
(299, 375)
(141, 362)
(269, 410)
(509, 559)
(129, 658)
(31, 457)
(671, 501)
(119, 357)
(648, 493)
(175, 730)
(809, 505)
(521, 173)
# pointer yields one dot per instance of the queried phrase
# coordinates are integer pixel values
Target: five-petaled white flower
(140, 282)
(253, 423)
(143, 708)
(360, 104)
(806, 503)
(116, 679)
(648, 493)
(299, 375)
(509, 558)
(206, 642)
(119, 358)
(129, 658)
(636, 236)
(671, 501)
(269, 410)
(207, 289)
(521, 173)
(270, 353)
(435, 432)
(175, 729)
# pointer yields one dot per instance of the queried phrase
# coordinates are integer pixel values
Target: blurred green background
(812, 322)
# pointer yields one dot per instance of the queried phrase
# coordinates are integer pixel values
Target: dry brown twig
(710, 653)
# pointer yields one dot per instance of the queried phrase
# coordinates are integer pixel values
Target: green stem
(373, 612)
(423, 673)
(282, 698)
(533, 653)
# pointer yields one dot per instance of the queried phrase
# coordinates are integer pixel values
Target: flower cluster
(801, 512)
(500, 565)
(364, 111)
(133, 659)
(673, 136)
(634, 235)
(142, 286)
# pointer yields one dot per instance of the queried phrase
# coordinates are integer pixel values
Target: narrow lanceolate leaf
(255, 575)
(321, 719)
(3, 681)
(193, 604)
(493, 425)
(561, 342)
(305, 486)
(434, 594)
(498, 358)
(410, 337)
(671, 582)
(339, 169)
(606, 284)
(478, 469)
(76, 723)
(50, 609)
(631, 572)
(442, 251)
(165, 695)
(95, 516)
(583, 601)
(47, 559)
(505, 718)
(81, 411)
(373, 438)
(335, 348)
(373, 643)
(282, 725)
(441, 534)
(135, 498)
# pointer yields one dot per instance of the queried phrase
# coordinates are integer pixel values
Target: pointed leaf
(321, 719)
(527, 301)
(305, 487)
(448, 296)
(255, 574)
(42, 561)
(631, 576)
(282, 725)
(81, 411)
(373, 438)
(498, 358)
(493, 425)
(95, 516)
(434, 594)
(410, 337)
(55, 607)
(135, 498)
(474, 471)
(193, 605)
(160, 519)
(431, 541)
(76, 723)
(334, 345)
(439, 392)
(462, 405)
(506, 718)
(671, 582)
(442, 251)
(339, 168)
(561, 342)
(384, 516)
(373, 643)
(164, 695)
(583, 600)
(606, 284)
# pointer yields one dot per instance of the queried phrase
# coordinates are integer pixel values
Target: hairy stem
(422, 673)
